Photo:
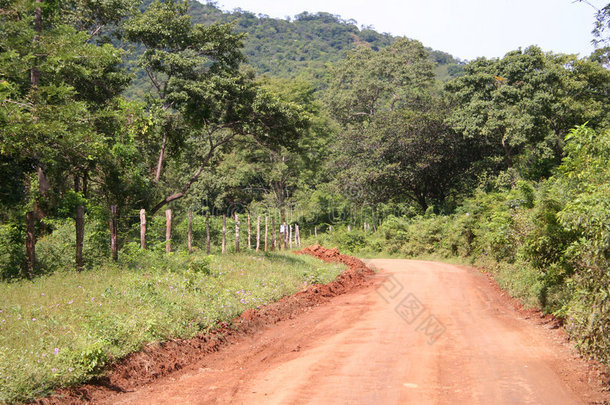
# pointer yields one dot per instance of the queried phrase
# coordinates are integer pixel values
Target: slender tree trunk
(258, 233)
(189, 237)
(290, 236)
(114, 237)
(168, 231)
(207, 233)
(236, 233)
(161, 157)
(143, 228)
(30, 216)
(224, 234)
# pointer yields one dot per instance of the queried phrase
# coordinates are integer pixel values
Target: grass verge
(63, 329)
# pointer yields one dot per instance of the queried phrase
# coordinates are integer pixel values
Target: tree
(201, 98)
(48, 111)
(404, 155)
(520, 107)
(178, 56)
(367, 81)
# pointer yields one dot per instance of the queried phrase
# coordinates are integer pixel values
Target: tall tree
(48, 111)
(179, 55)
(520, 107)
(368, 81)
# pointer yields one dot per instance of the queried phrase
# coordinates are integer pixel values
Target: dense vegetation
(375, 143)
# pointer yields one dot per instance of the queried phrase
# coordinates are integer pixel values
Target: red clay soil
(160, 359)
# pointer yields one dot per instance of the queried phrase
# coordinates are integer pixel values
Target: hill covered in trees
(306, 43)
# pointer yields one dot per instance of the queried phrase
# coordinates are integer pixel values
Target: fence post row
(290, 235)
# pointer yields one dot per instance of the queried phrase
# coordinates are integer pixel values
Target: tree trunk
(114, 237)
(189, 237)
(290, 236)
(143, 228)
(30, 216)
(207, 233)
(161, 158)
(168, 231)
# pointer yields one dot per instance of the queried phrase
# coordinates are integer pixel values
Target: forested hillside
(302, 46)
(115, 111)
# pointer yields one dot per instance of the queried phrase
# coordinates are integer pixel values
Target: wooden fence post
(168, 231)
(266, 230)
(258, 232)
(114, 238)
(285, 237)
(143, 228)
(30, 243)
(189, 236)
(290, 236)
(236, 232)
(315, 231)
(273, 236)
(80, 236)
(249, 233)
(224, 233)
(207, 232)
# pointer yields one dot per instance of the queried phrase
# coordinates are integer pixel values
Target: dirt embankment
(160, 359)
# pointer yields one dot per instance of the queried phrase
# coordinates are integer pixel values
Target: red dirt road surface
(421, 333)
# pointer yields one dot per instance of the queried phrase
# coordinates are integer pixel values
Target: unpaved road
(424, 333)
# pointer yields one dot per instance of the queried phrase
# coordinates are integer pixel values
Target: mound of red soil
(160, 359)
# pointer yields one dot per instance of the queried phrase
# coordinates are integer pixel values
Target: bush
(12, 251)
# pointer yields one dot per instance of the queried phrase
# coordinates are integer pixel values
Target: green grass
(62, 329)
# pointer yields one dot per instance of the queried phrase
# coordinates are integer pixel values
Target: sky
(466, 29)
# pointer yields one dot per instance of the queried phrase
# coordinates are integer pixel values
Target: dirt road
(424, 333)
